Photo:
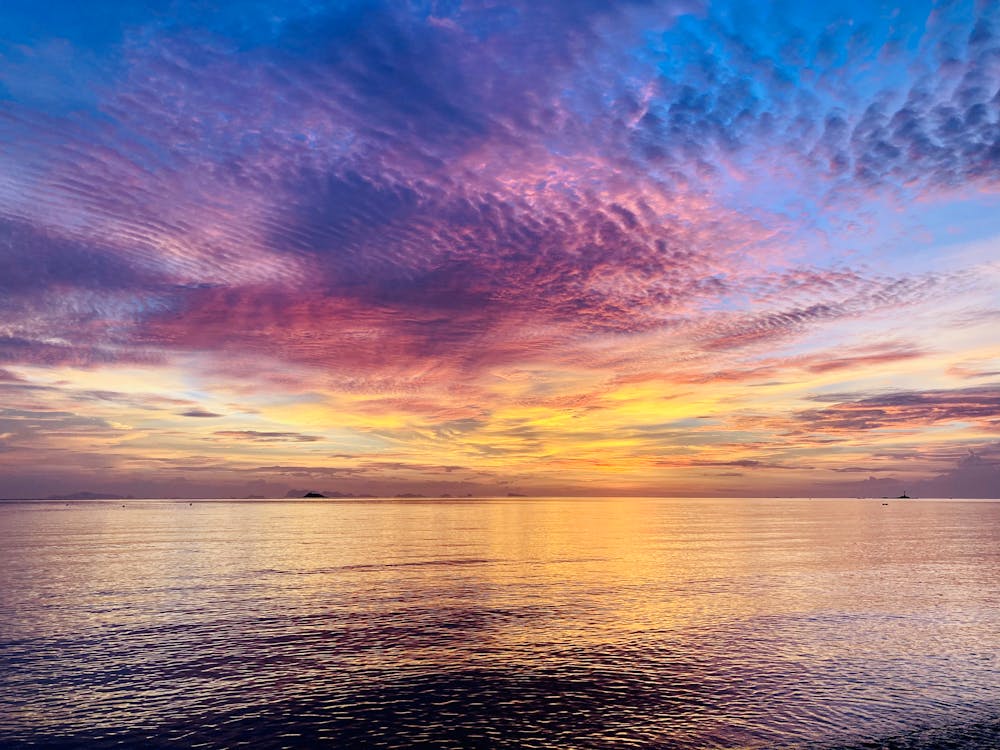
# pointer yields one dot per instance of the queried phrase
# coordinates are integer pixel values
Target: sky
(479, 247)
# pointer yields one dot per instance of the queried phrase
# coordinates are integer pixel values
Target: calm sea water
(501, 623)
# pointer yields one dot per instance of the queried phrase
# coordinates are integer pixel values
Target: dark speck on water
(505, 623)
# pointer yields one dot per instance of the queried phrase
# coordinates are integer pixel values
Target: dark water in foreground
(501, 623)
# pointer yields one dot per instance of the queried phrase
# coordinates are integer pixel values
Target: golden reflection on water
(698, 622)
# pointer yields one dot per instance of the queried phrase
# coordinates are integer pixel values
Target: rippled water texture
(501, 623)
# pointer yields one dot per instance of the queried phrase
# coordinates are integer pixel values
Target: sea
(500, 623)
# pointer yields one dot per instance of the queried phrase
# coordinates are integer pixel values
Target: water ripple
(748, 625)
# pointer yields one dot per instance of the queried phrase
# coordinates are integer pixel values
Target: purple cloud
(852, 412)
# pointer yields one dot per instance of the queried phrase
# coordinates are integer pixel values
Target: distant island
(327, 494)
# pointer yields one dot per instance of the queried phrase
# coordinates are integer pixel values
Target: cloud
(140, 401)
(974, 476)
(43, 431)
(972, 371)
(396, 169)
(741, 463)
(837, 296)
(199, 413)
(265, 437)
(879, 355)
(903, 409)
(747, 463)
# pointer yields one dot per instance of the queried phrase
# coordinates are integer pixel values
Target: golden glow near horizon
(777, 425)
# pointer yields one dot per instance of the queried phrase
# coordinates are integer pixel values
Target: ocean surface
(507, 623)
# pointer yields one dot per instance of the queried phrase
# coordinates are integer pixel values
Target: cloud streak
(905, 409)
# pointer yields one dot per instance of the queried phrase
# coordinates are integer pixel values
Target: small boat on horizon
(904, 496)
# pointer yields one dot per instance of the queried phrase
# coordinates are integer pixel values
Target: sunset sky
(451, 246)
